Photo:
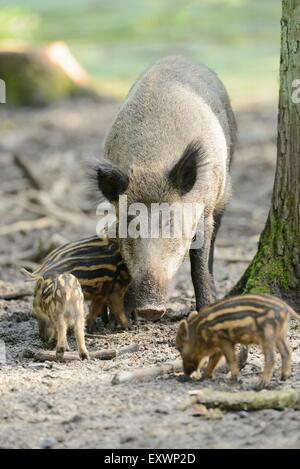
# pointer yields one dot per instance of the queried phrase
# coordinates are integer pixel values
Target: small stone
(161, 411)
(37, 366)
(200, 410)
(75, 419)
(48, 442)
(127, 439)
(243, 414)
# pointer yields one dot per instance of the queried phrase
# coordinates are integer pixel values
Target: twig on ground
(28, 225)
(15, 295)
(147, 372)
(96, 336)
(28, 172)
(11, 291)
(109, 354)
(59, 213)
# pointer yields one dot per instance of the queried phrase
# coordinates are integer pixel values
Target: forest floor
(74, 405)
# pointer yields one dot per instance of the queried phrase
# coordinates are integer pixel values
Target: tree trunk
(276, 266)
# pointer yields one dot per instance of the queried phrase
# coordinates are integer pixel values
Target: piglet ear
(192, 315)
(183, 333)
(111, 181)
(184, 174)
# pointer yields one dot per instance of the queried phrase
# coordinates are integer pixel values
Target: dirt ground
(74, 405)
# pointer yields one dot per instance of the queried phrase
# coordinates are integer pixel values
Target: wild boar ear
(192, 315)
(184, 174)
(183, 331)
(110, 180)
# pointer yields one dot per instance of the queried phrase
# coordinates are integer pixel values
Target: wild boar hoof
(90, 328)
(184, 378)
(60, 354)
(285, 376)
(262, 385)
(130, 327)
(123, 324)
(235, 378)
(84, 356)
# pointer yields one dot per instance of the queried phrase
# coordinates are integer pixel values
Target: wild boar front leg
(97, 308)
(202, 279)
(130, 304)
(42, 320)
(116, 306)
(212, 363)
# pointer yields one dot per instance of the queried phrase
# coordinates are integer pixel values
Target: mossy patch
(272, 269)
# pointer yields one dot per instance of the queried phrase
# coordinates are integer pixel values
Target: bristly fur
(184, 174)
(108, 179)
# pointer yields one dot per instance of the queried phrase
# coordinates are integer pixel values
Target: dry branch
(96, 336)
(13, 291)
(16, 295)
(147, 372)
(28, 172)
(28, 225)
(109, 354)
(246, 400)
(59, 213)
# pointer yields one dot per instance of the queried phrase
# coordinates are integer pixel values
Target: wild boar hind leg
(203, 282)
(269, 356)
(285, 352)
(212, 363)
(229, 352)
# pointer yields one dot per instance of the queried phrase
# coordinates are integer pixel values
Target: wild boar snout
(150, 297)
(152, 265)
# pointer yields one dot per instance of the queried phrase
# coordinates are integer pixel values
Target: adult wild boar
(172, 141)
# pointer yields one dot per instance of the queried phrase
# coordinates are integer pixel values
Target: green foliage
(17, 23)
(32, 80)
(115, 40)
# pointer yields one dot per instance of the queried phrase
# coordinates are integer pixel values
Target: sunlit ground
(115, 39)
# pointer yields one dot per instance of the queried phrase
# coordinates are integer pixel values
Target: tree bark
(276, 266)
